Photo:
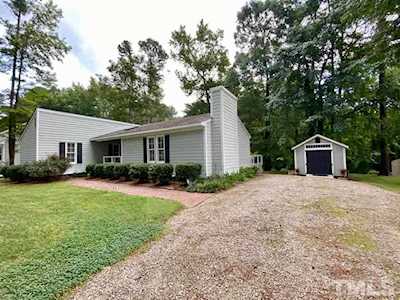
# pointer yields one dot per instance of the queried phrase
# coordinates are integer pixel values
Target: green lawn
(391, 183)
(54, 236)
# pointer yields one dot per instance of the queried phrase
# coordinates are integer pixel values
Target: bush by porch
(160, 174)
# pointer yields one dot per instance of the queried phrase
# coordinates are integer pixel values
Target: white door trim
(324, 148)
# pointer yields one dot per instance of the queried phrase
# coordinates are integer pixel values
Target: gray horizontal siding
(230, 134)
(28, 141)
(208, 149)
(244, 145)
(216, 132)
(187, 146)
(57, 127)
(300, 164)
(132, 150)
(338, 160)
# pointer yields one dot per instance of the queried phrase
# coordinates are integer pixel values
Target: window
(161, 149)
(151, 149)
(70, 154)
(156, 148)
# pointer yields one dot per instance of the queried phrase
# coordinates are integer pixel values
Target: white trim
(121, 150)
(158, 148)
(316, 147)
(37, 134)
(332, 163)
(155, 149)
(295, 160)
(221, 88)
(344, 159)
(305, 160)
(205, 132)
(75, 162)
(84, 117)
(112, 159)
(222, 134)
(322, 137)
(146, 133)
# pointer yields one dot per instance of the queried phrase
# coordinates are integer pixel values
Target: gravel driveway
(275, 237)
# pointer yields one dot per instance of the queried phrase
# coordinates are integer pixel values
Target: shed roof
(177, 123)
(322, 137)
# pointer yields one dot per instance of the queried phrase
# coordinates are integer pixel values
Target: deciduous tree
(27, 50)
(203, 59)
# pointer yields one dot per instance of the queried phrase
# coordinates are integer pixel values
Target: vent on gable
(320, 146)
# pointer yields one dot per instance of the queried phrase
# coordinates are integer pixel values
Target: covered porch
(108, 152)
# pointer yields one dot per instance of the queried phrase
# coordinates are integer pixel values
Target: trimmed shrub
(108, 171)
(17, 173)
(187, 172)
(139, 171)
(219, 183)
(3, 170)
(90, 170)
(121, 171)
(98, 170)
(373, 172)
(111, 171)
(40, 170)
(249, 172)
(161, 173)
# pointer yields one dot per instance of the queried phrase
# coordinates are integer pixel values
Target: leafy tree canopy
(203, 59)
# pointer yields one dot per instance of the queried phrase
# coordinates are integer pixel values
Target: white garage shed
(320, 156)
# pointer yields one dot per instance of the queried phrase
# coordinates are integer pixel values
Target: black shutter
(167, 148)
(79, 156)
(61, 151)
(144, 150)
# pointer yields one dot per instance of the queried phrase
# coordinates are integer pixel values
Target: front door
(319, 162)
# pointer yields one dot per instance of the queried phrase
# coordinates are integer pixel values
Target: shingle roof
(158, 126)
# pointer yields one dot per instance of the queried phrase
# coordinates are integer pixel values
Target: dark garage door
(319, 162)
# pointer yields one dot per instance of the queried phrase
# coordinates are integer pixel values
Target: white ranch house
(218, 141)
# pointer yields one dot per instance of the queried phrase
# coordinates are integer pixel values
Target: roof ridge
(84, 116)
(175, 119)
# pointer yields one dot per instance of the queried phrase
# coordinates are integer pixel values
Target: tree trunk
(384, 166)
(267, 133)
(11, 115)
(208, 99)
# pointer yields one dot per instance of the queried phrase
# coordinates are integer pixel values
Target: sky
(94, 29)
